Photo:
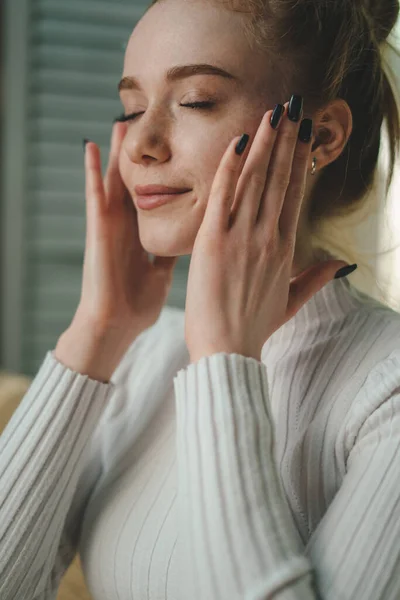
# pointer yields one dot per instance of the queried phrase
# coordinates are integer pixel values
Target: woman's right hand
(122, 290)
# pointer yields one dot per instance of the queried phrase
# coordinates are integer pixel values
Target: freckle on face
(188, 148)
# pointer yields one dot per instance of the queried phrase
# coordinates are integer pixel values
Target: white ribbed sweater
(227, 479)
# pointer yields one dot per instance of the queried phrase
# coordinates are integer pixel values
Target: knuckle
(269, 240)
(230, 168)
(281, 178)
(268, 247)
(297, 189)
(290, 243)
(247, 240)
(220, 191)
(289, 133)
(268, 138)
(96, 188)
(257, 178)
(301, 153)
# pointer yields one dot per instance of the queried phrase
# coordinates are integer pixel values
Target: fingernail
(84, 142)
(295, 108)
(315, 145)
(305, 133)
(345, 271)
(277, 115)
(242, 143)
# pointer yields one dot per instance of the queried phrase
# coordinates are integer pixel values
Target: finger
(114, 186)
(307, 284)
(223, 188)
(253, 177)
(291, 209)
(279, 173)
(94, 187)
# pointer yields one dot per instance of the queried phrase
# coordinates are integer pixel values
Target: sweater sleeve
(237, 531)
(49, 464)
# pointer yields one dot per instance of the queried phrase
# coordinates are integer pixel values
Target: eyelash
(193, 105)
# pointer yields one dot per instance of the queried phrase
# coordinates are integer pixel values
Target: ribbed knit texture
(226, 479)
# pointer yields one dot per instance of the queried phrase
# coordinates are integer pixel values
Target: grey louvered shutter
(63, 62)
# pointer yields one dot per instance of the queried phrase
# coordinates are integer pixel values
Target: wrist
(196, 355)
(89, 349)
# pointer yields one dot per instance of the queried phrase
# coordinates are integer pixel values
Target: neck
(303, 259)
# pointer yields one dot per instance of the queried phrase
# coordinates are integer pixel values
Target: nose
(147, 141)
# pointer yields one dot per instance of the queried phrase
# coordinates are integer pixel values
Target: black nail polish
(295, 108)
(84, 142)
(345, 271)
(315, 145)
(242, 143)
(277, 115)
(305, 133)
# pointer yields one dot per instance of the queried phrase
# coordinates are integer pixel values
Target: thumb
(312, 280)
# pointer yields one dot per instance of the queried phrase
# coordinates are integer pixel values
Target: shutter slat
(74, 62)
(89, 11)
(80, 58)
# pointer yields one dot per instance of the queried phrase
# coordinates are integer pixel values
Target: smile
(156, 200)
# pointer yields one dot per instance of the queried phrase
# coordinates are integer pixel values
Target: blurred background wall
(61, 62)
(61, 65)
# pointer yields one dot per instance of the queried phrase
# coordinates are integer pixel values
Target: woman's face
(168, 144)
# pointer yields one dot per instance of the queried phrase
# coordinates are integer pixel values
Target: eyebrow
(177, 73)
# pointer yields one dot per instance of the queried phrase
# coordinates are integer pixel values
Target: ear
(332, 129)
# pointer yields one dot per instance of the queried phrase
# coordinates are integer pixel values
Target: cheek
(212, 159)
(124, 169)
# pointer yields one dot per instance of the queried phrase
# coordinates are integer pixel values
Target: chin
(165, 241)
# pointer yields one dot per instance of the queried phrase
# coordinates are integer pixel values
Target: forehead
(175, 32)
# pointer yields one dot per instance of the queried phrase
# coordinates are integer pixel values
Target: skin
(178, 146)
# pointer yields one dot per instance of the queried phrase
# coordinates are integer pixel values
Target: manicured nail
(305, 133)
(345, 271)
(295, 108)
(315, 145)
(277, 115)
(84, 142)
(242, 143)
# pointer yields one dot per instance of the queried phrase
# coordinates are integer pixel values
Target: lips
(148, 202)
(151, 190)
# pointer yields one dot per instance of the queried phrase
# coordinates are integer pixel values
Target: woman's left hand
(240, 289)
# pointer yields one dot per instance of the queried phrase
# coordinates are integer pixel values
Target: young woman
(247, 447)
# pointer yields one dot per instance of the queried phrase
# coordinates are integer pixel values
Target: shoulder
(372, 340)
(357, 362)
(374, 332)
(363, 328)
(377, 402)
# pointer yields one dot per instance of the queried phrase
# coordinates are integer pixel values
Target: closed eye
(193, 105)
